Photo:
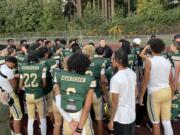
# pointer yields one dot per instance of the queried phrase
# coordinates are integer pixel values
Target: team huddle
(66, 82)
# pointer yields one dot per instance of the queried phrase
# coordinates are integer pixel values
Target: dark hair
(99, 50)
(22, 41)
(74, 45)
(157, 45)
(33, 56)
(9, 40)
(40, 39)
(121, 57)
(10, 50)
(56, 40)
(34, 46)
(42, 51)
(57, 47)
(11, 59)
(126, 46)
(63, 41)
(47, 42)
(76, 49)
(26, 46)
(78, 63)
(73, 40)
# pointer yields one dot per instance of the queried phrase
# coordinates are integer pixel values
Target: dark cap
(176, 37)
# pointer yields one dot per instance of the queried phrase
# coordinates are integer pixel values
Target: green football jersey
(131, 60)
(97, 64)
(21, 58)
(175, 56)
(74, 88)
(109, 73)
(32, 76)
(50, 65)
(66, 52)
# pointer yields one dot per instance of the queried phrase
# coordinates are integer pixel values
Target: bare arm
(177, 70)
(115, 100)
(21, 83)
(44, 84)
(172, 83)
(142, 54)
(86, 108)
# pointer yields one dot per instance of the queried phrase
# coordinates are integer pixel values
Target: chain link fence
(82, 36)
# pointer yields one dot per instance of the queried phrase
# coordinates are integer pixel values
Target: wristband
(79, 130)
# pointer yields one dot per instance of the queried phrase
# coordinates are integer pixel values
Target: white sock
(167, 127)
(30, 126)
(43, 126)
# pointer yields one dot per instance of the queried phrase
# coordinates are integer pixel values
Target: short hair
(126, 46)
(76, 49)
(78, 63)
(177, 44)
(56, 40)
(26, 46)
(42, 51)
(47, 42)
(34, 46)
(157, 45)
(22, 41)
(11, 59)
(63, 41)
(99, 50)
(121, 57)
(10, 50)
(33, 56)
(40, 39)
(9, 40)
(89, 50)
(74, 44)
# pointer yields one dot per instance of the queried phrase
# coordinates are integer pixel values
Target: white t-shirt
(4, 82)
(124, 83)
(159, 74)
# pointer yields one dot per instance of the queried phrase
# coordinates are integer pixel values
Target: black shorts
(124, 129)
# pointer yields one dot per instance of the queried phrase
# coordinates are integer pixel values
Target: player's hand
(73, 125)
(141, 101)
(75, 133)
(51, 117)
(4, 96)
(110, 125)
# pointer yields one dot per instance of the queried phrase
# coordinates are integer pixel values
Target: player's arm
(104, 84)
(44, 84)
(177, 70)
(21, 82)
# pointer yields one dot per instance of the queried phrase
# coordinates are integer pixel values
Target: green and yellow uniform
(32, 75)
(131, 60)
(74, 88)
(22, 58)
(97, 64)
(175, 108)
(66, 52)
